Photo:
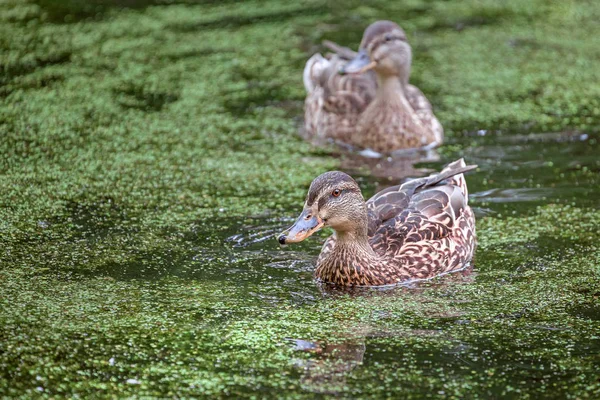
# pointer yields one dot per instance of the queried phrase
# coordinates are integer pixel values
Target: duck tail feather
(455, 168)
(344, 52)
(454, 174)
(313, 69)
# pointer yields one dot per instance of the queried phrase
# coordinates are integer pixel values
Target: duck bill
(304, 226)
(359, 64)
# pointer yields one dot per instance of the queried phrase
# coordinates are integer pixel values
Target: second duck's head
(385, 50)
(335, 200)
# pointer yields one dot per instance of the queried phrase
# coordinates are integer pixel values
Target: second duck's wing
(334, 101)
(424, 111)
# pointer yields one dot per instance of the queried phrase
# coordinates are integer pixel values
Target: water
(460, 345)
(122, 124)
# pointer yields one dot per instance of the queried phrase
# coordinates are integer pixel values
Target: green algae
(138, 136)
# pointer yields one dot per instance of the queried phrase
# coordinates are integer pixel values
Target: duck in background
(364, 99)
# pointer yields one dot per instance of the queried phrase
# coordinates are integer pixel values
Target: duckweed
(149, 146)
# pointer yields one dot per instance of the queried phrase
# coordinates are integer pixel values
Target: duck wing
(334, 102)
(424, 208)
(341, 94)
(424, 111)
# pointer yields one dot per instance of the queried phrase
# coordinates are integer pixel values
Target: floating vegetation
(150, 149)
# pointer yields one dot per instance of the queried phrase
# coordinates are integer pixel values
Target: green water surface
(149, 150)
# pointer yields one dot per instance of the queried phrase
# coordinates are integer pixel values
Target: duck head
(383, 49)
(334, 199)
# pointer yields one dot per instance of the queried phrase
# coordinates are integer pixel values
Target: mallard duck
(417, 230)
(364, 99)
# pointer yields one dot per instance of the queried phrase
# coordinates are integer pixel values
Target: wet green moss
(138, 136)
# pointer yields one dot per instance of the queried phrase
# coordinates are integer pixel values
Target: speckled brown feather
(417, 230)
(334, 102)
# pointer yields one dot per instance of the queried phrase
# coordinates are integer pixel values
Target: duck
(418, 230)
(364, 99)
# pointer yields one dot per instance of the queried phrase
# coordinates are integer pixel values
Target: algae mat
(148, 148)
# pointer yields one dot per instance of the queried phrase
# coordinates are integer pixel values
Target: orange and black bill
(305, 225)
(359, 64)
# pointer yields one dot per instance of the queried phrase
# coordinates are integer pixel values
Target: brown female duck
(367, 101)
(418, 230)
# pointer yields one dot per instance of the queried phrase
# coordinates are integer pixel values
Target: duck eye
(336, 193)
(388, 38)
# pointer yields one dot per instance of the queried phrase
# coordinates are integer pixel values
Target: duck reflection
(389, 169)
(331, 364)
(327, 371)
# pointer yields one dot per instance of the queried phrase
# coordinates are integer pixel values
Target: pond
(151, 156)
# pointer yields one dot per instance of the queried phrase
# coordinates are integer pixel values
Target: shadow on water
(239, 21)
(332, 365)
(69, 11)
(139, 97)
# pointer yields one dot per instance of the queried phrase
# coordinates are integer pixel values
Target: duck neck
(355, 232)
(391, 90)
(357, 240)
